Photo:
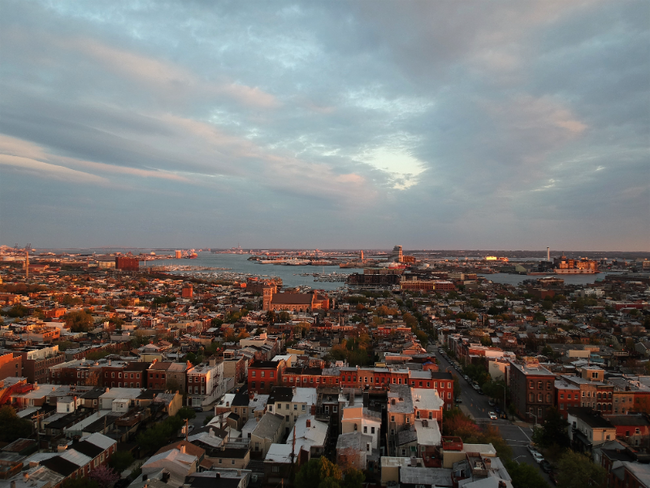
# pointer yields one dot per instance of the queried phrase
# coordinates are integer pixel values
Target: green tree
(159, 434)
(79, 321)
(186, 413)
(525, 476)
(576, 470)
(121, 460)
(18, 311)
(553, 431)
(353, 478)
(318, 473)
(13, 427)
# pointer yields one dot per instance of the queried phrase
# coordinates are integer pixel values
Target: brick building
(294, 302)
(127, 264)
(532, 388)
(264, 375)
(38, 360)
(11, 365)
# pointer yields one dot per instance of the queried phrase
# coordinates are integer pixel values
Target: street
(516, 434)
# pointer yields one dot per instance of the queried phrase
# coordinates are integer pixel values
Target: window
(561, 396)
(365, 429)
(272, 374)
(262, 374)
(303, 408)
(275, 469)
(232, 461)
(430, 416)
(335, 409)
(428, 384)
(531, 397)
(372, 430)
(295, 407)
(539, 385)
(448, 395)
(448, 384)
(252, 374)
(435, 384)
(392, 418)
(355, 427)
(531, 384)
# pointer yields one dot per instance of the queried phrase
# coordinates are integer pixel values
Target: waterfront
(515, 279)
(228, 265)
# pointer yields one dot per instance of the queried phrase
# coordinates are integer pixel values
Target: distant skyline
(342, 125)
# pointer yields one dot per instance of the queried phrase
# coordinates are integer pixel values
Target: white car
(493, 416)
(537, 457)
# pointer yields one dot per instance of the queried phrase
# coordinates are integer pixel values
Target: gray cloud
(298, 124)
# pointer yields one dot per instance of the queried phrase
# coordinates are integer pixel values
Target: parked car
(492, 415)
(491, 402)
(537, 457)
(546, 466)
(459, 400)
(480, 391)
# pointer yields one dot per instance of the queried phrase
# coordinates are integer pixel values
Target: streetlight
(531, 413)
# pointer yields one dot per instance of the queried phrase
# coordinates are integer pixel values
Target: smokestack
(548, 253)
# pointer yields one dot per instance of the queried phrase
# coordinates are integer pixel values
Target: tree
(525, 476)
(319, 473)
(104, 476)
(13, 427)
(576, 470)
(353, 478)
(186, 413)
(19, 310)
(120, 460)
(458, 424)
(553, 431)
(79, 321)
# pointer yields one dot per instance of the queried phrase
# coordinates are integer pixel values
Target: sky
(338, 124)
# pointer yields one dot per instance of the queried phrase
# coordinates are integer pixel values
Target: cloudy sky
(349, 124)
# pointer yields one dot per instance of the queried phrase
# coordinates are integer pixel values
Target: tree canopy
(576, 470)
(553, 431)
(322, 473)
(13, 427)
(79, 321)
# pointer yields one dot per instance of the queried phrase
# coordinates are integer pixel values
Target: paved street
(516, 434)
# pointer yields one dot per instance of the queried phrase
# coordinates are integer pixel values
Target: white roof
(279, 453)
(75, 457)
(100, 440)
(305, 395)
(430, 435)
(308, 437)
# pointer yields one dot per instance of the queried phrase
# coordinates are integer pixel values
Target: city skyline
(515, 125)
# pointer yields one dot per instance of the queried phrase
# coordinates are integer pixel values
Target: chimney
(183, 449)
(308, 423)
